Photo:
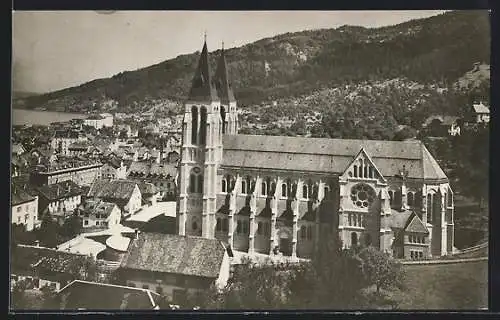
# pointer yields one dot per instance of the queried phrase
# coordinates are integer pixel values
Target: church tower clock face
(362, 195)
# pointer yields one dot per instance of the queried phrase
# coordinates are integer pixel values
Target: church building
(269, 194)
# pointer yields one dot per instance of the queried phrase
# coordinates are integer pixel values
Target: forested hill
(439, 49)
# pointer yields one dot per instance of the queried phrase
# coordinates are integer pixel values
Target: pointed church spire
(202, 87)
(224, 88)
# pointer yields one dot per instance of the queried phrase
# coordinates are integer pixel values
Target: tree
(48, 234)
(18, 296)
(72, 226)
(380, 269)
(84, 268)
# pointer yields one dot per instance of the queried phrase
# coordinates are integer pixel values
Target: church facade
(269, 194)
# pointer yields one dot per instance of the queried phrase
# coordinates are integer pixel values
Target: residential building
(82, 173)
(43, 266)
(99, 214)
(79, 148)
(99, 121)
(114, 169)
(124, 193)
(59, 200)
(62, 139)
(172, 265)
(161, 175)
(480, 113)
(85, 295)
(24, 207)
(440, 125)
(272, 193)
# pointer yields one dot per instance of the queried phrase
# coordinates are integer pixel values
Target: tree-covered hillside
(439, 49)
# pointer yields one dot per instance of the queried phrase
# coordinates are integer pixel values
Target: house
(62, 139)
(149, 193)
(59, 199)
(78, 148)
(24, 207)
(173, 265)
(480, 113)
(411, 236)
(114, 169)
(161, 175)
(107, 119)
(81, 172)
(43, 266)
(99, 214)
(85, 295)
(124, 193)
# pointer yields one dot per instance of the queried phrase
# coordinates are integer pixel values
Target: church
(275, 194)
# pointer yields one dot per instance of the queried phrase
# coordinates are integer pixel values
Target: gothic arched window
(194, 124)
(284, 190)
(410, 198)
(429, 208)
(224, 185)
(243, 186)
(355, 171)
(219, 225)
(354, 239)
(203, 125)
(195, 181)
(263, 189)
(305, 192)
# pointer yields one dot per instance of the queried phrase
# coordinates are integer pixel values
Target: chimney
(37, 243)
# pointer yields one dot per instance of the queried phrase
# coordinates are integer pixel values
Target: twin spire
(206, 88)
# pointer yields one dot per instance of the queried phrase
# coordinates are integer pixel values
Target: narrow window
(243, 186)
(194, 127)
(303, 232)
(203, 125)
(327, 193)
(192, 183)
(219, 226)
(224, 186)
(305, 194)
(238, 226)
(200, 184)
(354, 239)
(355, 171)
(409, 197)
(283, 190)
(259, 228)
(263, 189)
(223, 117)
(225, 226)
(429, 208)
(365, 173)
(371, 172)
(245, 227)
(391, 197)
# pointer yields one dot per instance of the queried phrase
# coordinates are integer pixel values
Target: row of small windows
(416, 239)
(268, 188)
(414, 254)
(356, 220)
(363, 171)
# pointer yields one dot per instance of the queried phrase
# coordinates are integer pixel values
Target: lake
(34, 117)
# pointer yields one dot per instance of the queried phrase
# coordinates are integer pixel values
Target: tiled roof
(328, 155)
(416, 225)
(98, 206)
(18, 195)
(399, 220)
(99, 296)
(115, 189)
(176, 254)
(145, 169)
(68, 134)
(79, 145)
(26, 258)
(59, 190)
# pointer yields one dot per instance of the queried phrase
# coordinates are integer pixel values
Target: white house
(100, 214)
(24, 208)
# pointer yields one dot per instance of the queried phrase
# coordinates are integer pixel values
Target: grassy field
(461, 286)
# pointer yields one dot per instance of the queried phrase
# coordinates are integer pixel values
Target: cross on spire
(222, 44)
(205, 35)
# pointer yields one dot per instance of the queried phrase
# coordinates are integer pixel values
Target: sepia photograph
(249, 160)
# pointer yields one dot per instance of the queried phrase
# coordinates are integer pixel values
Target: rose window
(362, 195)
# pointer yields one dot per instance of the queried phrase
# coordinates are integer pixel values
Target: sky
(60, 49)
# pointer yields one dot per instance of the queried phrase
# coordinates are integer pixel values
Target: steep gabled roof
(202, 87)
(224, 88)
(60, 190)
(18, 195)
(362, 154)
(115, 189)
(431, 169)
(416, 225)
(157, 252)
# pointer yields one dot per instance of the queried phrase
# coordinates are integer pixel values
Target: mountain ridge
(440, 49)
